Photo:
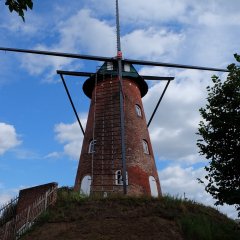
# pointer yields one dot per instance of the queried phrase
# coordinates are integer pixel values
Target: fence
(24, 220)
(8, 211)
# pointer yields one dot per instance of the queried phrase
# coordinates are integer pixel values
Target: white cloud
(151, 43)
(14, 24)
(176, 121)
(7, 194)
(4, 198)
(77, 34)
(176, 181)
(215, 19)
(71, 136)
(85, 32)
(140, 11)
(53, 155)
(8, 138)
(22, 153)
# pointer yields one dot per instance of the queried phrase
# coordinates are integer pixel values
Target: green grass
(195, 221)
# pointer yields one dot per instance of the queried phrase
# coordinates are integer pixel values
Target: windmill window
(91, 148)
(109, 66)
(145, 147)
(138, 110)
(127, 67)
(86, 185)
(119, 178)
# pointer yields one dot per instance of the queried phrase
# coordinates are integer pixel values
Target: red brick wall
(139, 165)
(29, 195)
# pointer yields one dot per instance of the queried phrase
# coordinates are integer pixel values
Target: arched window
(86, 185)
(153, 186)
(91, 148)
(138, 110)
(119, 178)
(145, 147)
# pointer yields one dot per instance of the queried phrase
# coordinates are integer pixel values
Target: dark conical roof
(109, 69)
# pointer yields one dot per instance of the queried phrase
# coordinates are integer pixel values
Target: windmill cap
(109, 69)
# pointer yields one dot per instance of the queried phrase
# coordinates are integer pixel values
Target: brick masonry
(29, 195)
(106, 160)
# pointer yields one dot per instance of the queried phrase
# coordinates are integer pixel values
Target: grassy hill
(76, 217)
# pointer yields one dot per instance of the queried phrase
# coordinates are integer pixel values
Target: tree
(19, 6)
(220, 138)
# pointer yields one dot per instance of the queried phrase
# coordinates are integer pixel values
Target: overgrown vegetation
(8, 213)
(138, 218)
(220, 137)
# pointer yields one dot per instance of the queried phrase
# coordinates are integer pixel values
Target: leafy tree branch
(19, 6)
(220, 138)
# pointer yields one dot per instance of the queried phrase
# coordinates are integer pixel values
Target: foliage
(8, 213)
(220, 138)
(203, 227)
(67, 194)
(19, 6)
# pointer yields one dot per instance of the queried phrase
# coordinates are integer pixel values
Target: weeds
(9, 213)
(67, 194)
(193, 220)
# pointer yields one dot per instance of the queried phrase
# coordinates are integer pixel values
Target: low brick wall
(29, 195)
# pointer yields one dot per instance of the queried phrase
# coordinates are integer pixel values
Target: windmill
(116, 154)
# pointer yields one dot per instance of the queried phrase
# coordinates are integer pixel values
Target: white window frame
(127, 67)
(85, 187)
(109, 66)
(118, 178)
(91, 147)
(145, 147)
(138, 110)
(153, 186)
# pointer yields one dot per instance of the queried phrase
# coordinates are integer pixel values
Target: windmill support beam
(77, 74)
(90, 74)
(159, 101)
(72, 104)
(157, 78)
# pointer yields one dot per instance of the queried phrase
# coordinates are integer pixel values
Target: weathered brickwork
(106, 160)
(29, 195)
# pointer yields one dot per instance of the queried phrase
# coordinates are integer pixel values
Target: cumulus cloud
(77, 34)
(71, 137)
(158, 43)
(8, 137)
(176, 121)
(6, 194)
(176, 180)
(4, 198)
(53, 155)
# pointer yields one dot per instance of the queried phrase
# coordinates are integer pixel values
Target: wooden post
(46, 200)
(6, 231)
(28, 214)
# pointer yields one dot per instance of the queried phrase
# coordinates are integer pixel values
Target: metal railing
(8, 211)
(14, 228)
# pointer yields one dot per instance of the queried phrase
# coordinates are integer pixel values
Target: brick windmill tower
(101, 167)
(117, 155)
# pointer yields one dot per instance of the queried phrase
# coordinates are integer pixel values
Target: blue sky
(40, 140)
